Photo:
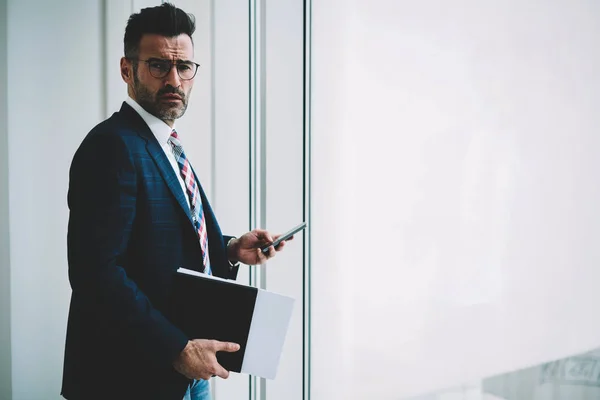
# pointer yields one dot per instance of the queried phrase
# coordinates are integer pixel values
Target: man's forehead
(167, 47)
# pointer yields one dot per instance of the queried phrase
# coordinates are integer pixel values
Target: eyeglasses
(159, 68)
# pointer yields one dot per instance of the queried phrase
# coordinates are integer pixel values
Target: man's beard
(151, 103)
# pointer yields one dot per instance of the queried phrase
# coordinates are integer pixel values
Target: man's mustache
(171, 90)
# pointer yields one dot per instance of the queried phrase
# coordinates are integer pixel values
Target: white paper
(270, 322)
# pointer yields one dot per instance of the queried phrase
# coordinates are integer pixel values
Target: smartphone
(285, 236)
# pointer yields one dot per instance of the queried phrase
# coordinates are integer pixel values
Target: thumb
(221, 372)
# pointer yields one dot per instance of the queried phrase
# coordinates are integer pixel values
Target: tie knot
(174, 139)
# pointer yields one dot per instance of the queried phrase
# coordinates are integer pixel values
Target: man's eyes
(160, 65)
(164, 65)
(184, 66)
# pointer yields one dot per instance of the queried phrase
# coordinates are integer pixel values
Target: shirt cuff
(231, 265)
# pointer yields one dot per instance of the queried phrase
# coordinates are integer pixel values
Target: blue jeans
(198, 390)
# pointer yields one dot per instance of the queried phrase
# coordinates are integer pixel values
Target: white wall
(455, 191)
(54, 78)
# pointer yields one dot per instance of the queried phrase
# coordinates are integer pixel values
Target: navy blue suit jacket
(129, 230)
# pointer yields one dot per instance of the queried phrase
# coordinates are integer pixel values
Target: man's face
(166, 98)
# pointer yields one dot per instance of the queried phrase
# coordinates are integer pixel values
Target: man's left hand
(247, 248)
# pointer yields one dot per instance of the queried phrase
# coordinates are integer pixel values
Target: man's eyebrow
(179, 60)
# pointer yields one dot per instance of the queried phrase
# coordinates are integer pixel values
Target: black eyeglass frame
(171, 63)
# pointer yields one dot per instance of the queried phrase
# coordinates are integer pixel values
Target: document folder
(207, 307)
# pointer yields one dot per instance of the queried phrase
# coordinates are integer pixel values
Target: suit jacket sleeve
(102, 202)
(232, 270)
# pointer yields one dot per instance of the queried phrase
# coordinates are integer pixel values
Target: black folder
(206, 307)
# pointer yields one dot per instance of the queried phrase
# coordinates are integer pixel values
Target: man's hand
(199, 359)
(246, 248)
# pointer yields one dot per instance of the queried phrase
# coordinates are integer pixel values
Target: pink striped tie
(194, 196)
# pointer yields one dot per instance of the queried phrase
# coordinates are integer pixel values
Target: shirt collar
(159, 128)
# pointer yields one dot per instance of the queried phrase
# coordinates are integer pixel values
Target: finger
(280, 246)
(226, 346)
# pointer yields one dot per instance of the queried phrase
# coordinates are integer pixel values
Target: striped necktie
(193, 193)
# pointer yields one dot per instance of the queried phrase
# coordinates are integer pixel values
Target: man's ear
(126, 70)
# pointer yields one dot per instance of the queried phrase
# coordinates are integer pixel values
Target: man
(137, 213)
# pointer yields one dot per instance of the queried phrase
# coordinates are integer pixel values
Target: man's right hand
(198, 360)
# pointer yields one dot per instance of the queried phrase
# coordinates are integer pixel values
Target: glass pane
(455, 208)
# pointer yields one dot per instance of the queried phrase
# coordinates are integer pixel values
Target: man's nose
(173, 78)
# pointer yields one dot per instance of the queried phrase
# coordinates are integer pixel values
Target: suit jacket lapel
(166, 170)
(159, 157)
